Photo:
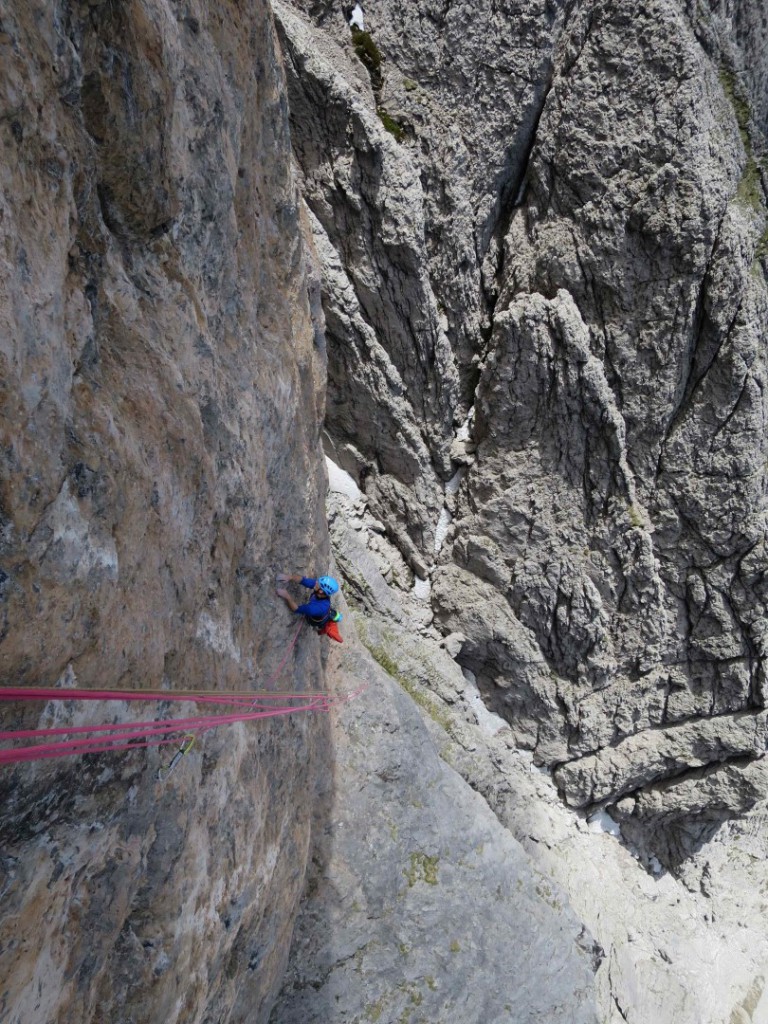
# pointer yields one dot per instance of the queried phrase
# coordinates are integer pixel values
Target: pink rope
(281, 666)
(131, 735)
(54, 693)
(122, 736)
(168, 725)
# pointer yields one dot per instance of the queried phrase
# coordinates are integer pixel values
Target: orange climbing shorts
(330, 629)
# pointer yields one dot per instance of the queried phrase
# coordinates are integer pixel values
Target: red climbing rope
(119, 736)
(292, 644)
(129, 735)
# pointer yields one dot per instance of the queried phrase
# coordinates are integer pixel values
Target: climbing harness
(326, 625)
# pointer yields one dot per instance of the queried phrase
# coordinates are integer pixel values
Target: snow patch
(489, 722)
(454, 483)
(441, 530)
(601, 821)
(422, 589)
(356, 18)
(340, 482)
(462, 434)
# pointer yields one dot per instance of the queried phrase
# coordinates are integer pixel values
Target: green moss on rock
(393, 127)
(422, 869)
(749, 192)
(369, 54)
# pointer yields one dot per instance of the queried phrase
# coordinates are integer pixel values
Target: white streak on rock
(217, 636)
(74, 541)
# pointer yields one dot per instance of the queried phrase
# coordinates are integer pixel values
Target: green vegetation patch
(545, 892)
(417, 695)
(739, 104)
(636, 517)
(387, 663)
(422, 869)
(373, 1011)
(393, 127)
(750, 190)
(369, 54)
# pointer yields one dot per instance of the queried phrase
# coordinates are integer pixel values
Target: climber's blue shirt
(316, 608)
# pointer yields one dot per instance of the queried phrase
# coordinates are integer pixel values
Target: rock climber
(317, 611)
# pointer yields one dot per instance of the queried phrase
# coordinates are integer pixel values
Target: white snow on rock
(356, 18)
(441, 530)
(453, 484)
(601, 821)
(422, 589)
(341, 482)
(488, 721)
(462, 434)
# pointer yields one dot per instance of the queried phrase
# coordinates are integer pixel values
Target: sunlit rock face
(162, 398)
(530, 242)
(542, 237)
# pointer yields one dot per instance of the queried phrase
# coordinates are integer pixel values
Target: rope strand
(132, 735)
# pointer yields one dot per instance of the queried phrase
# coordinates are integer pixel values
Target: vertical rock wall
(161, 404)
(630, 355)
(585, 187)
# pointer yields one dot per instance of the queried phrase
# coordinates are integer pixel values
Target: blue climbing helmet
(328, 585)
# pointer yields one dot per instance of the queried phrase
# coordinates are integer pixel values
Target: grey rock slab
(421, 906)
(661, 753)
(681, 945)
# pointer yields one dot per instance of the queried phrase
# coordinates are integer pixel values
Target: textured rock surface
(585, 182)
(160, 415)
(588, 201)
(668, 947)
(421, 905)
(540, 234)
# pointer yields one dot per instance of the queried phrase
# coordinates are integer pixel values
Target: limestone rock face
(666, 946)
(626, 369)
(421, 906)
(584, 186)
(160, 415)
(528, 245)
